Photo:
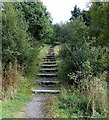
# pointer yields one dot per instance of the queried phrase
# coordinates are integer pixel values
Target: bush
(15, 36)
(75, 104)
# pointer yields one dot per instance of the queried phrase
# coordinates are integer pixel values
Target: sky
(61, 9)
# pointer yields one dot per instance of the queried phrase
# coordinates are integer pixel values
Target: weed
(10, 81)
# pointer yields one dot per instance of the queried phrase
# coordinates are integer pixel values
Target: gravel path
(35, 108)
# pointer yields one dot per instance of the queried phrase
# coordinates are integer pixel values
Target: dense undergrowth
(25, 29)
(23, 37)
(15, 102)
(83, 70)
(86, 99)
(73, 104)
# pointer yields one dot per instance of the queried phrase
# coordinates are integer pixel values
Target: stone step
(50, 56)
(49, 62)
(49, 70)
(46, 91)
(49, 59)
(48, 82)
(48, 66)
(46, 75)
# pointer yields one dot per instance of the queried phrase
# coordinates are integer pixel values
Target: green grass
(72, 104)
(17, 103)
(12, 108)
(57, 49)
(43, 51)
(0, 110)
(60, 106)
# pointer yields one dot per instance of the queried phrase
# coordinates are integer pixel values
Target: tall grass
(11, 80)
(95, 90)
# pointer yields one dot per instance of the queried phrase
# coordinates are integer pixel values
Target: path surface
(36, 108)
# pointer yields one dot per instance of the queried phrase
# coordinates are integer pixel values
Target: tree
(86, 17)
(75, 13)
(39, 19)
(57, 32)
(99, 13)
(15, 37)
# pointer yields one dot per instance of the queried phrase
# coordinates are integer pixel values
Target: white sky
(60, 9)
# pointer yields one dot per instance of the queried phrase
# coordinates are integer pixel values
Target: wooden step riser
(48, 66)
(48, 70)
(53, 60)
(49, 63)
(48, 82)
(49, 58)
(47, 75)
(47, 91)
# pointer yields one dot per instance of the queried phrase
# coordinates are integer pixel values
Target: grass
(21, 98)
(56, 106)
(72, 103)
(0, 110)
(43, 51)
(57, 49)
(11, 108)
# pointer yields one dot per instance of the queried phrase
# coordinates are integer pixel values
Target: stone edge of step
(46, 91)
(50, 82)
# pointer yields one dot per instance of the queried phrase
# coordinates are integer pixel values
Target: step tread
(46, 74)
(49, 65)
(49, 82)
(46, 91)
(48, 70)
(48, 58)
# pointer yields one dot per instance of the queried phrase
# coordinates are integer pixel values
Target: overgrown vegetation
(20, 45)
(84, 56)
(84, 67)
(18, 94)
(23, 39)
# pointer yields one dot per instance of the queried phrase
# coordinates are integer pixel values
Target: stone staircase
(48, 74)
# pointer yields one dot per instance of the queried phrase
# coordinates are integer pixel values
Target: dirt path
(37, 107)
